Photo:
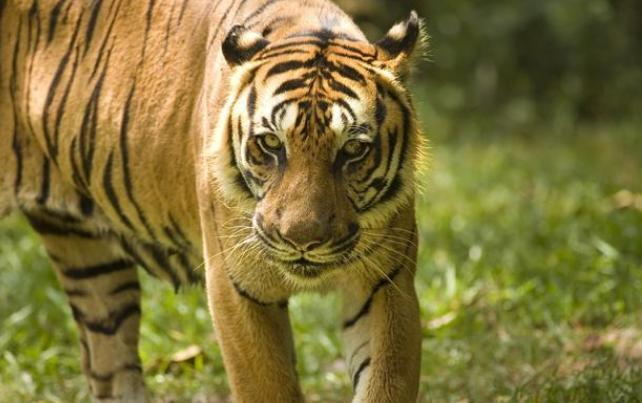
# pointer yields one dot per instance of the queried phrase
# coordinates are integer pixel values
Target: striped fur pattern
(265, 140)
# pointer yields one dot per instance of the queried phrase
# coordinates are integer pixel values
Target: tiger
(267, 141)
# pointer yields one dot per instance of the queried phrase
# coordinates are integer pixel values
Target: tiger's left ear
(401, 43)
(241, 44)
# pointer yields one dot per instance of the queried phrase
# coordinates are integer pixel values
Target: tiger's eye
(272, 142)
(355, 148)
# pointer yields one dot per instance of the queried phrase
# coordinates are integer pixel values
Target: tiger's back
(96, 106)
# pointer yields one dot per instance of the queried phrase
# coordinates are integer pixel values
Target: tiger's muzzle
(309, 248)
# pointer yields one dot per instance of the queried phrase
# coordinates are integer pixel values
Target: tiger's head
(318, 142)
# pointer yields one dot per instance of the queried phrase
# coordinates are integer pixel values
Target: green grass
(530, 281)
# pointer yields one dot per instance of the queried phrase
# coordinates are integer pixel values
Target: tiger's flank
(265, 140)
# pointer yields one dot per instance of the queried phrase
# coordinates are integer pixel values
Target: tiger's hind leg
(101, 283)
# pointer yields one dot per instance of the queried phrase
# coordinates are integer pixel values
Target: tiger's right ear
(241, 44)
(403, 41)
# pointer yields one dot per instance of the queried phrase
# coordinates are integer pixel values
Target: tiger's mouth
(306, 268)
(310, 268)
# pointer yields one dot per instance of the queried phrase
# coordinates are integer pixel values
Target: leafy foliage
(517, 62)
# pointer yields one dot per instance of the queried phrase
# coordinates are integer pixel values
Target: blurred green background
(530, 218)
(512, 64)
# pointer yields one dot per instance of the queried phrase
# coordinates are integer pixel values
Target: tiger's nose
(306, 236)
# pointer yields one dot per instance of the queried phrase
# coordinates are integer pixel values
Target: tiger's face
(319, 144)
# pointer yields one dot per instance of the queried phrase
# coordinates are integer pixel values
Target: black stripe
(176, 234)
(285, 67)
(380, 108)
(43, 195)
(148, 16)
(392, 190)
(293, 84)
(183, 7)
(160, 258)
(392, 148)
(288, 52)
(111, 194)
(124, 151)
(101, 50)
(62, 216)
(364, 62)
(75, 292)
(337, 86)
(80, 273)
(47, 228)
(393, 136)
(388, 189)
(251, 105)
(51, 147)
(278, 107)
(169, 232)
(366, 306)
(91, 25)
(101, 377)
(177, 229)
(86, 205)
(405, 126)
(367, 56)
(128, 286)
(240, 179)
(75, 170)
(110, 325)
(110, 375)
(53, 18)
(35, 15)
(346, 106)
(187, 269)
(294, 45)
(354, 353)
(357, 375)
(247, 296)
(15, 142)
(168, 29)
(133, 253)
(87, 140)
(63, 100)
(348, 72)
(159, 266)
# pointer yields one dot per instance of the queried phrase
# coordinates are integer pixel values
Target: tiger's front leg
(102, 286)
(256, 342)
(382, 335)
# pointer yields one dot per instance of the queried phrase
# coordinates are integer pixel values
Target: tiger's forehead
(312, 117)
(313, 91)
